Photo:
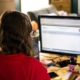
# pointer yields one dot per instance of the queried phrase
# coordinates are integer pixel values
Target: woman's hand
(34, 25)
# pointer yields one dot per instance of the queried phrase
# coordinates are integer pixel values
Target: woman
(16, 62)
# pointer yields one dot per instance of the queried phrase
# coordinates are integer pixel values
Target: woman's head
(15, 33)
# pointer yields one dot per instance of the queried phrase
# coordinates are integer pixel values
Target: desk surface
(60, 71)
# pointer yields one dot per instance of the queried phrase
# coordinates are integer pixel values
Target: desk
(64, 70)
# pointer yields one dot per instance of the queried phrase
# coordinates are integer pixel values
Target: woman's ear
(34, 25)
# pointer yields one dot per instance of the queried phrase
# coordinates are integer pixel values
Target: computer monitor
(59, 34)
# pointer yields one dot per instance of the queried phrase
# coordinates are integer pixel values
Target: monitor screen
(59, 34)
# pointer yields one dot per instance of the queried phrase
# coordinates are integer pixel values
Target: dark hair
(15, 33)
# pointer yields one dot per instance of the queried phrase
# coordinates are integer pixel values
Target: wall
(6, 5)
(27, 5)
(74, 6)
(18, 5)
(78, 7)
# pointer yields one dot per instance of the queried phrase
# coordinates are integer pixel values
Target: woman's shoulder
(30, 59)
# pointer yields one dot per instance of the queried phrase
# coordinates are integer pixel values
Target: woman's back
(21, 67)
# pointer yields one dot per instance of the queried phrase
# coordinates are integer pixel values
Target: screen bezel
(55, 17)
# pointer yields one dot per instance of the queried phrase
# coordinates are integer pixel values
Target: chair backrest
(34, 14)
